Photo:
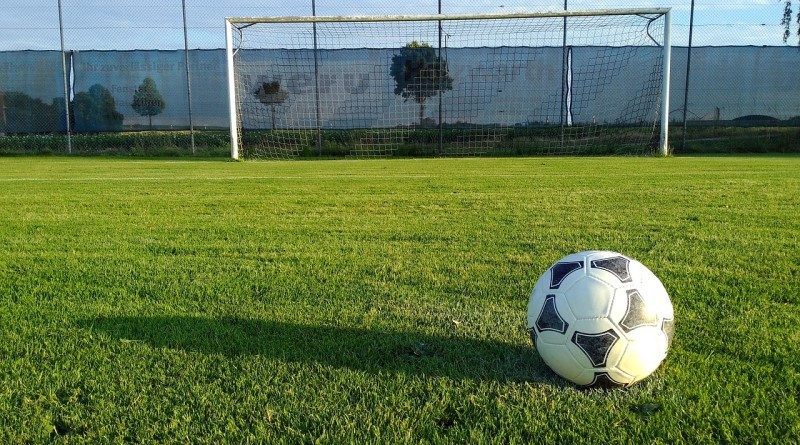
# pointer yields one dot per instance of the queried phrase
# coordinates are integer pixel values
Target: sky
(158, 24)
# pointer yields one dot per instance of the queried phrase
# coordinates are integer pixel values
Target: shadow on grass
(368, 350)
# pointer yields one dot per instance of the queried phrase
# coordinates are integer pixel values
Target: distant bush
(756, 120)
(793, 121)
(408, 142)
(156, 143)
(708, 139)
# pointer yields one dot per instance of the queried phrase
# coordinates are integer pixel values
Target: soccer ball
(600, 319)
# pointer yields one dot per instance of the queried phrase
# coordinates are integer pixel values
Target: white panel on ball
(589, 298)
(559, 360)
(646, 348)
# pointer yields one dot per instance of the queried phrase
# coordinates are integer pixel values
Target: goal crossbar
(447, 17)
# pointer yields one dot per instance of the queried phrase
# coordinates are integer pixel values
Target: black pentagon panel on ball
(561, 270)
(549, 319)
(596, 346)
(604, 381)
(618, 265)
(532, 333)
(668, 326)
(637, 314)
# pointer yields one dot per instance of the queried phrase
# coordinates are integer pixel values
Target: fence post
(65, 76)
(440, 148)
(562, 115)
(188, 73)
(688, 68)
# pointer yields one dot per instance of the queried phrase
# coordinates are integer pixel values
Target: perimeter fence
(148, 77)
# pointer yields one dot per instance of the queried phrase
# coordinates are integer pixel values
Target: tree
(20, 113)
(271, 95)
(96, 110)
(786, 22)
(147, 100)
(419, 74)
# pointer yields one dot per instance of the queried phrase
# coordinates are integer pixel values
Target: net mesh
(453, 87)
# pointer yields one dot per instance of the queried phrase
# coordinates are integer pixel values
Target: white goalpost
(540, 83)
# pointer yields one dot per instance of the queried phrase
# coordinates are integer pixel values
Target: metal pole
(440, 148)
(448, 17)
(664, 142)
(66, 81)
(686, 84)
(316, 81)
(234, 123)
(563, 77)
(188, 73)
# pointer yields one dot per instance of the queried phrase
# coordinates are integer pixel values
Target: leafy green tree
(20, 113)
(147, 100)
(786, 22)
(96, 110)
(271, 95)
(419, 74)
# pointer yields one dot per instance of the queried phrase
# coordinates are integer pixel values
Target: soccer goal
(549, 83)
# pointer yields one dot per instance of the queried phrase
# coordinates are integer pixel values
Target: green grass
(384, 301)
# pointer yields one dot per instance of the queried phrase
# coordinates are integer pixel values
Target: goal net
(591, 82)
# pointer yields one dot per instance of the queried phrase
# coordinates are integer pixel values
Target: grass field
(384, 301)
